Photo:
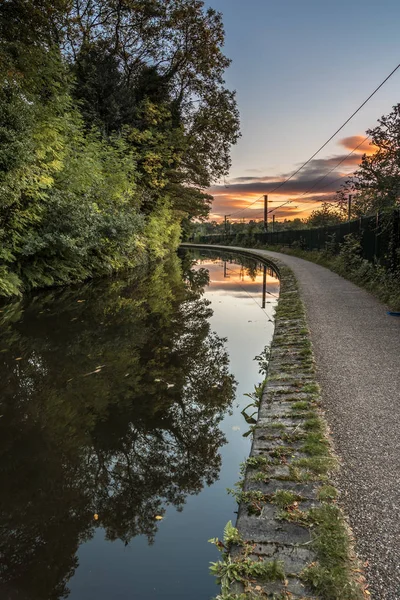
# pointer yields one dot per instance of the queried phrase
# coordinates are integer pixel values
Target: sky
(300, 69)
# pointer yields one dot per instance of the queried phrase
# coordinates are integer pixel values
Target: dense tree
(173, 70)
(375, 185)
(327, 214)
(114, 118)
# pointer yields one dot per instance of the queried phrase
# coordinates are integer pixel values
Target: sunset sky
(300, 69)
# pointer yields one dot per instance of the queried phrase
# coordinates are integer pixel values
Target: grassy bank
(291, 539)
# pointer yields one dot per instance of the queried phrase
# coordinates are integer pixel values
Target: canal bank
(292, 540)
(121, 427)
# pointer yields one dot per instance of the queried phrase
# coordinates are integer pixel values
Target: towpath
(357, 351)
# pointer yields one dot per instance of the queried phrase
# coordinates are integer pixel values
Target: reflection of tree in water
(114, 409)
(251, 266)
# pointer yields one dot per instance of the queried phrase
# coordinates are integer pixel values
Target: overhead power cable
(333, 168)
(320, 178)
(257, 212)
(245, 208)
(323, 146)
(334, 134)
(317, 181)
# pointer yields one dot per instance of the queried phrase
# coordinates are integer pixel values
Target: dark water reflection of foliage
(113, 408)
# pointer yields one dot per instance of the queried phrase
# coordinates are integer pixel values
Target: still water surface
(120, 402)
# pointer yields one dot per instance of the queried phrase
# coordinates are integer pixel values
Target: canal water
(120, 428)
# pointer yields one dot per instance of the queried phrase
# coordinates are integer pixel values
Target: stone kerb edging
(292, 540)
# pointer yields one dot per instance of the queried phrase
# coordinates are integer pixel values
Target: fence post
(376, 236)
(395, 240)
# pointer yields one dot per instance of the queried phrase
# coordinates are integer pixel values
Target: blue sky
(300, 69)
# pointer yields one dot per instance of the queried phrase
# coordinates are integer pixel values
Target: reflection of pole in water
(225, 275)
(264, 293)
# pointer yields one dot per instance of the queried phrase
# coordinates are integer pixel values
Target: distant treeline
(114, 119)
(377, 238)
(327, 214)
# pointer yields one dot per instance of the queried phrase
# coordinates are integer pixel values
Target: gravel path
(357, 351)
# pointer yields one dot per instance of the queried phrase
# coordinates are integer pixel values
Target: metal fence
(379, 237)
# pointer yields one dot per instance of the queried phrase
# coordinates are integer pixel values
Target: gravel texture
(357, 351)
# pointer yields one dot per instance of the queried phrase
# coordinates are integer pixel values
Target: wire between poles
(245, 208)
(322, 147)
(336, 132)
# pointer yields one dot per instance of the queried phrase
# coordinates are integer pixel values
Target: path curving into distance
(357, 352)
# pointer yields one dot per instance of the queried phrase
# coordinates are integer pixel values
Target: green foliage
(375, 184)
(301, 405)
(162, 230)
(383, 283)
(256, 462)
(327, 493)
(231, 537)
(315, 444)
(263, 360)
(285, 498)
(331, 576)
(228, 571)
(104, 151)
(320, 465)
(326, 214)
(254, 499)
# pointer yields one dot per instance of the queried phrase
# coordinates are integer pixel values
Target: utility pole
(273, 223)
(349, 218)
(266, 214)
(264, 292)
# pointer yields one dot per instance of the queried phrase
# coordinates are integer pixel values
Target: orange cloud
(299, 208)
(316, 183)
(358, 141)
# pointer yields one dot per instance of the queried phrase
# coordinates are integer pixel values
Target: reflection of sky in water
(238, 315)
(234, 279)
(176, 566)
